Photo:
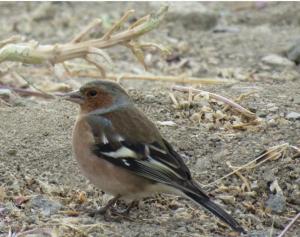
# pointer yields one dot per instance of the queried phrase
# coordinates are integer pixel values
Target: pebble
(226, 29)
(295, 197)
(297, 99)
(149, 98)
(262, 114)
(5, 92)
(190, 15)
(227, 199)
(12, 152)
(276, 60)
(166, 123)
(293, 53)
(293, 116)
(46, 206)
(276, 203)
(181, 213)
(273, 109)
(272, 123)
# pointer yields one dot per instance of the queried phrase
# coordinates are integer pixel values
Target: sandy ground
(43, 192)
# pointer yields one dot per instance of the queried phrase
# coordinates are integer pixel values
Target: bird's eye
(91, 93)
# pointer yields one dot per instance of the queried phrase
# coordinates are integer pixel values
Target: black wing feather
(154, 160)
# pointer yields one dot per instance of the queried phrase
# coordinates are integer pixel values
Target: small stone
(196, 117)
(273, 109)
(295, 197)
(12, 152)
(227, 199)
(226, 29)
(262, 114)
(276, 60)
(276, 203)
(272, 123)
(166, 123)
(181, 213)
(183, 47)
(5, 93)
(149, 98)
(46, 206)
(181, 229)
(293, 116)
(44, 11)
(293, 53)
(297, 100)
(190, 15)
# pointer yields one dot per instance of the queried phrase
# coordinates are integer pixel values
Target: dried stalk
(234, 105)
(84, 70)
(26, 92)
(117, 25)
(86, 30)
(176, 79)
(38, 54)
(10, 40)
(37, 93)
(289, 225)
(240, 98)
(243, 178)
(38, 231)
(175, 102)
(275, 151)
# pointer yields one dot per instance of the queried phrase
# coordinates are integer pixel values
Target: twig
(2, 101)
(84, 70)
(98, 65)
(177, 79)
(117, 25)
(39, 54)
(190, 80)
(16, 75)
(244, 125)
(41, 231)
(12, 39)
(270, 151)
(175, 102)
(161, 48)
(246, 182)
(101, 53)
(137, 51)
(86, 30)
(242, 96)
(139, 21)
(29, 92)
(289, 225)
(234, 105)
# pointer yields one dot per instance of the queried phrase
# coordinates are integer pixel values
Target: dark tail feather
(215, 209)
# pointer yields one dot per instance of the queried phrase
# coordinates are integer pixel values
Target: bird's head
(98, 95)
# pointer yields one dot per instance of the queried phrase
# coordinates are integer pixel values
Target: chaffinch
(123, 153)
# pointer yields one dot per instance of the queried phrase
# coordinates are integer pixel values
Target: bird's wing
(128, 139)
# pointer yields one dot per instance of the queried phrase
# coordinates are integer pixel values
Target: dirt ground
(42, 192)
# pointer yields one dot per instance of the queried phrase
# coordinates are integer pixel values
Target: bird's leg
(134, 203)
(126, 211)
(104, 209)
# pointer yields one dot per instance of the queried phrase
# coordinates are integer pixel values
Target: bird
(122, 152)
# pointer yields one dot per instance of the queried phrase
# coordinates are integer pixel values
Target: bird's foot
(112, 213)
(104, 210)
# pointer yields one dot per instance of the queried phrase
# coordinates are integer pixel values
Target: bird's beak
(74, 96)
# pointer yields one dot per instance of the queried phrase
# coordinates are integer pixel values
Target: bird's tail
(196, 195)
